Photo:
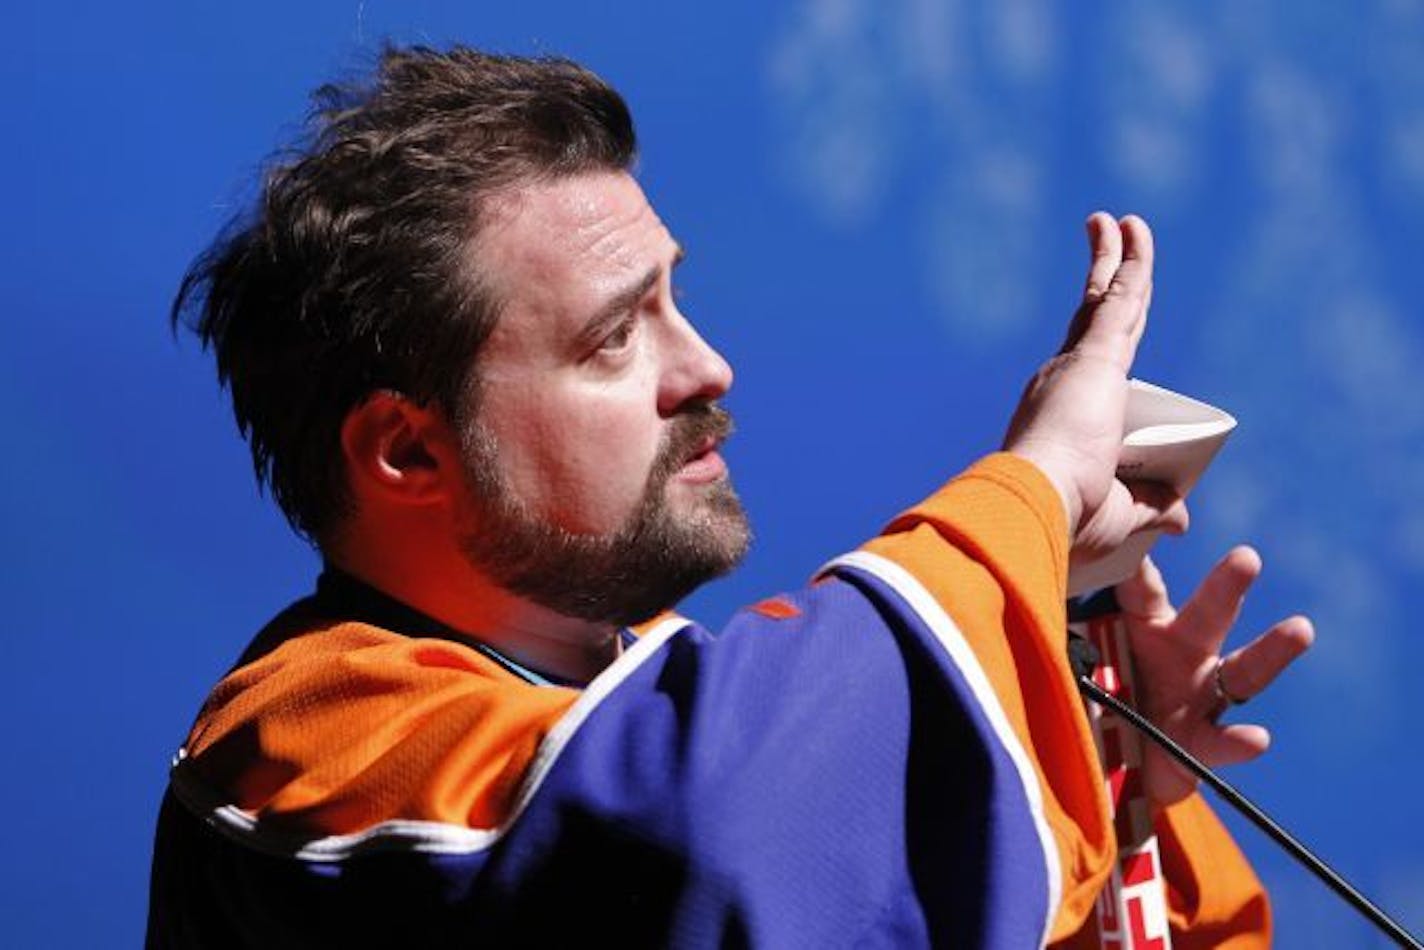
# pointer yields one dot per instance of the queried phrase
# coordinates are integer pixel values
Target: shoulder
(340, 726)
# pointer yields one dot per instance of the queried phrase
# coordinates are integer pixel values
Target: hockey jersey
(892, 756)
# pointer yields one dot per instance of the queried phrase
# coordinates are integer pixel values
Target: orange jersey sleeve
(1002, 576)
(1214, 898)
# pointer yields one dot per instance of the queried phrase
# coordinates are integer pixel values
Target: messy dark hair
(353, 272)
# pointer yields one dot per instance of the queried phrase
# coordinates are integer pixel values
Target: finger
(1156, 506)
(1249, 670)
(1232, 745)
(1167, 781)
(1142, 323)
(1105, 243)
(1173, 517)
(1116, 324)
(1209, 613)
(1105, 246)
(1144, 594)
(1133, 278)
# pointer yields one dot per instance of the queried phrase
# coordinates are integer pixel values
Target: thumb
(1159, 507)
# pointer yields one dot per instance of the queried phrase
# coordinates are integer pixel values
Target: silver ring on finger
(1223, 695)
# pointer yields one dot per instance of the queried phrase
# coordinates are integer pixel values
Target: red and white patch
(1132, 908)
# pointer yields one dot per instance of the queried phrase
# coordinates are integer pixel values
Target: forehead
(559, 245)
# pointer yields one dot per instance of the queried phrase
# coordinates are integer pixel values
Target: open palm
(1176, 653)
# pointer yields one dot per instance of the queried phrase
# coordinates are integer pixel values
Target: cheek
(577, 456)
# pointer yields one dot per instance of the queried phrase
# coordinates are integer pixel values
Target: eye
(621, 336)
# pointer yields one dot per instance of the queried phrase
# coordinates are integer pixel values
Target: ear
(399, 450)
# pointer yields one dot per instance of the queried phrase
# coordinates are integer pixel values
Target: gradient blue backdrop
(883, 205)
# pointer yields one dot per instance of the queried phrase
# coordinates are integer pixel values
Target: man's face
(591, 453)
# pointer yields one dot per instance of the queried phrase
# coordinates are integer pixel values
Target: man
(452, 341)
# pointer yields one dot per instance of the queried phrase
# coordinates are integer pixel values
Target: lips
(708, 444)
(705, 466)
(692, 449)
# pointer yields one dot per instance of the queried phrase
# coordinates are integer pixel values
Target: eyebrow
(619, 305)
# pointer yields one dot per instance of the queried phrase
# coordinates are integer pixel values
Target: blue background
(883, 205)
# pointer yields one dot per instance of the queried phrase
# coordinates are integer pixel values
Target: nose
(694, 370)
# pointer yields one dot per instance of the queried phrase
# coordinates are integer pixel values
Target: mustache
(690, 430)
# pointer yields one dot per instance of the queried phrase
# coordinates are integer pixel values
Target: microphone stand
(1083, 657)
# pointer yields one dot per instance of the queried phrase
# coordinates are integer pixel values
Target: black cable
(1244, 805)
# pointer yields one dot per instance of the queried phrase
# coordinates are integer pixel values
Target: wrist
(1051, 469)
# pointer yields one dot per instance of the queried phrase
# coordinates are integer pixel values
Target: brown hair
(352, 273)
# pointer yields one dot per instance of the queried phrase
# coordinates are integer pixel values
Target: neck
(463, 598)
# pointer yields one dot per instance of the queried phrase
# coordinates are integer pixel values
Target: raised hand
(1070, 420)
(1184, 683)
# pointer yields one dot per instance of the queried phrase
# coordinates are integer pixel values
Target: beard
(650, 563)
